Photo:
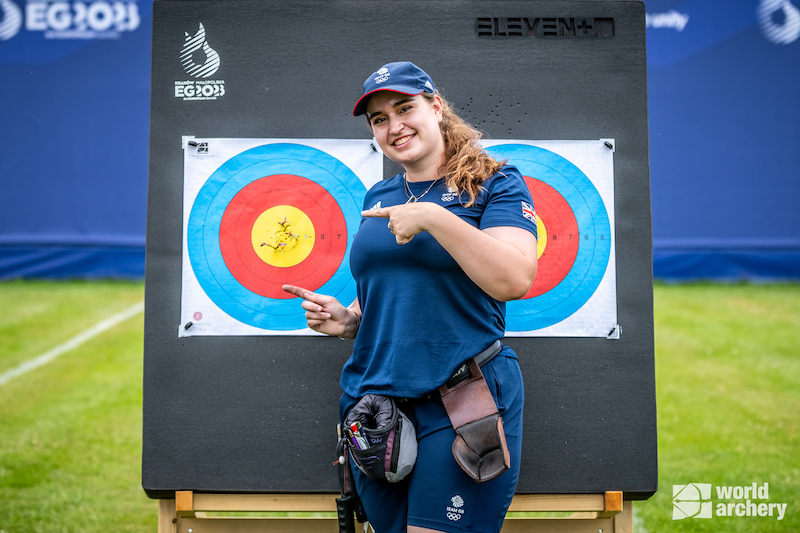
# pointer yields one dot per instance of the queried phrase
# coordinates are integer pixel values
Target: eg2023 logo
(200, 61)
(58, 19)
(694, 500)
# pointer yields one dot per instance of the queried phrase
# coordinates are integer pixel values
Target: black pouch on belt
(480, 447)
(391, 440)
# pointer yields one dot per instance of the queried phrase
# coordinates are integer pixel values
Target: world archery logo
(691, 501)
(201, 61)
(694, 501)
(10, 19)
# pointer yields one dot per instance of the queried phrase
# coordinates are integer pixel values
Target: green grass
(727, 378)
(728, 393)
(70, 437)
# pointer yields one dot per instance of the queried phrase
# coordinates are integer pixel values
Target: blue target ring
(591, 261)
(209, 207)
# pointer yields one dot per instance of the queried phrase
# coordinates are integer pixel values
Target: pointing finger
(382, 213)
(291, 289)
(302, 293)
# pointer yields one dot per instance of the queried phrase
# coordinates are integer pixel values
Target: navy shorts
(438, 494)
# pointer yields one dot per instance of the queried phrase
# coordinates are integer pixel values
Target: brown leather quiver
(480, 447)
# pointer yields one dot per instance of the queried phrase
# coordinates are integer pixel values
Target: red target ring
(260, 195)
(561, 247)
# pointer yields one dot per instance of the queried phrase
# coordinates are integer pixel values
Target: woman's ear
(438, 107)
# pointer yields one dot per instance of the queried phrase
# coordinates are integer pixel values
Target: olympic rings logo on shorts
(455, 513)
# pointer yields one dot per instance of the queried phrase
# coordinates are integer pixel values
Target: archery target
(575, 246)
(282, 229)
(281, 213)
(558, 247)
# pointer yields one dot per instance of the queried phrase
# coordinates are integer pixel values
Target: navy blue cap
(402, 77)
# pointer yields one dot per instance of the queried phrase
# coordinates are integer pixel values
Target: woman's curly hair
(467, 164)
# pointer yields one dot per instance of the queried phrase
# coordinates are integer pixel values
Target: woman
(440, 249)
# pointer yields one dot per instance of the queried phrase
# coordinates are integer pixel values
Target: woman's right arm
(326, 314)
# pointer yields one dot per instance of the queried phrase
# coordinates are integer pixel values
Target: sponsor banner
(58, 19)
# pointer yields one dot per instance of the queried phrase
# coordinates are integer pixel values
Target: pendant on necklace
(412, 198)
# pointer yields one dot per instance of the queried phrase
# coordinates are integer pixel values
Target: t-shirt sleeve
(509, 202)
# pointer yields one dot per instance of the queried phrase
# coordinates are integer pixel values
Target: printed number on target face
(585, 237)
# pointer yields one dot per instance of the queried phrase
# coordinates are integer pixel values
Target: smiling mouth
(402, 140)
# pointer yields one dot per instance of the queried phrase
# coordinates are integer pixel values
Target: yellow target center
(283, 236)
(541, 243)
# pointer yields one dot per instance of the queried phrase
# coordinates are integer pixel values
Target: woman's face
(407, 128)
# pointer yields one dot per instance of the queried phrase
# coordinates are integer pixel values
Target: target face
(282, 229)
(276, 214)
(574, 237)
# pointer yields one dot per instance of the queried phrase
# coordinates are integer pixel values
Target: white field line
(71, 344)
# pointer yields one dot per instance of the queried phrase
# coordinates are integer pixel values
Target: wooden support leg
(623, 522)
(167, 518)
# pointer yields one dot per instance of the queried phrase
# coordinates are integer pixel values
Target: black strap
(462, 372)
(349, 503)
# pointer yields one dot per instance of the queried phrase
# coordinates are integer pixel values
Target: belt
(462, 372)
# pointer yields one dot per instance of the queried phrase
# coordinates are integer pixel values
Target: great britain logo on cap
(402, 77)
(382, 75)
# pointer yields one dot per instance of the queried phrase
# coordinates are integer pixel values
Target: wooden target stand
(188, 513)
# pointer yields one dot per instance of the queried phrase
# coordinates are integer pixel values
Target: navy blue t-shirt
(422, 315)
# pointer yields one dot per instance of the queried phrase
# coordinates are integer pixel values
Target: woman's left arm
(500, 260)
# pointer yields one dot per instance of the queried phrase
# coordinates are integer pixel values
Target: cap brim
(361, 106)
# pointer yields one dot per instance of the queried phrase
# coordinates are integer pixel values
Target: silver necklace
(413, 198)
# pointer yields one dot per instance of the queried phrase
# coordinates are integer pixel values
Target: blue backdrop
(724, 100)
(75, 96)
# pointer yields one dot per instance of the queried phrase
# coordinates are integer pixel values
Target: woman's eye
(377, 121)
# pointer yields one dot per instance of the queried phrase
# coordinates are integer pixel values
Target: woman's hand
(500, 260)
(326, 314)
(405, 220)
